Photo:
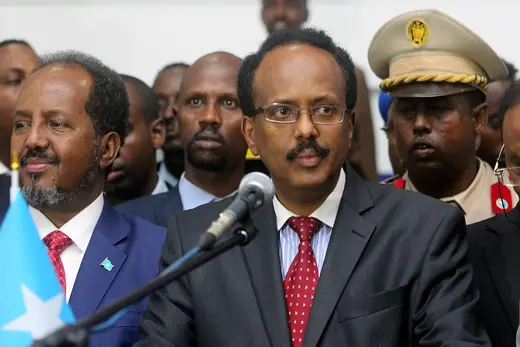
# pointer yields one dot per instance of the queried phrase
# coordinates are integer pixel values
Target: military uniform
(429, 54)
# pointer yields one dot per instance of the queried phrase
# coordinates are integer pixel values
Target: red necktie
(56, 242)
(301, 278)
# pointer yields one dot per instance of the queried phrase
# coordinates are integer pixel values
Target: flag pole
(15, 180)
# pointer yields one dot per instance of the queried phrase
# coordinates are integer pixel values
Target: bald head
(211, 67)
(210, 116)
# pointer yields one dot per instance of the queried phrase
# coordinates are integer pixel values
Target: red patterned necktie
(56, 242)
(301, 278)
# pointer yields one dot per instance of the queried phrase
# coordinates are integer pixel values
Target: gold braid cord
(477, 80)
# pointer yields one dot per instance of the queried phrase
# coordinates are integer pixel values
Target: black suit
(396, 273)
(5, 185)
(494, 249)
(158, 209)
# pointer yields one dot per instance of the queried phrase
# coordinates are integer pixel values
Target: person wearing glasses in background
(494, 244)
(439, 108)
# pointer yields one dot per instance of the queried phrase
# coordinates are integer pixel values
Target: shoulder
(143, 231)
(479, 234)
(148, 202)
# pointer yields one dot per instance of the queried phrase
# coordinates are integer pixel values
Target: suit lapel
(505, 274)
(349, 238)
(93, 280)
(173, 205)
(263, 264)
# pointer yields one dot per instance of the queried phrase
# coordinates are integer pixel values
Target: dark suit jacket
(158, 209)
(494, 249)
(132, 245)
(396, 274)
(5, 185)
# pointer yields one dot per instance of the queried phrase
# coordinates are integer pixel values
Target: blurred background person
(385, 101)
(134, 173)
(491, 136)
(166, 85)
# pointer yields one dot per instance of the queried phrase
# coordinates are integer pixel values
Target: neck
(135, 191)
(59, 215)
(220, 184)
(440, 186)
(174, 161)
(304, 201)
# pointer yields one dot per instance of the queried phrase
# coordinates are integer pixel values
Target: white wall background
(139, 37)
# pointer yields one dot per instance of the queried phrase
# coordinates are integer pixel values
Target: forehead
(17, 56)
(135, 103)
(298, 71)
(56, 87)
(212, 78)
(268, 3)
(169, 78)
(511, 128)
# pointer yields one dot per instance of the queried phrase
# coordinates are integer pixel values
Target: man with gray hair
(70, 121)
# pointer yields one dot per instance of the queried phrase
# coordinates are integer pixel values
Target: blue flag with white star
(31, 299)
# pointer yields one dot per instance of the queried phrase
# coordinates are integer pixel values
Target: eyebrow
(325, 97)
(46, 114)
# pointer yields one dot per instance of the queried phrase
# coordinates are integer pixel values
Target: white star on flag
(41, 317)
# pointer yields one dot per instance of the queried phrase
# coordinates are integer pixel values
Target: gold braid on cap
(477, 80)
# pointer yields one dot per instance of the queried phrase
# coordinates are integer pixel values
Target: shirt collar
(160, 187)
(193, 196)
(166, 176)
(79, 229)
(3, 169)
(326, 213)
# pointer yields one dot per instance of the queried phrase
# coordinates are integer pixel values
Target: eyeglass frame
(499, 172)
(262, 109)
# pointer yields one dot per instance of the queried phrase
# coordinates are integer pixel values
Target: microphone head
(257, 182)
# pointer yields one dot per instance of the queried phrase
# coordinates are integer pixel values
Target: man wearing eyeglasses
(494, 243)
(334, 263)
(437, 71)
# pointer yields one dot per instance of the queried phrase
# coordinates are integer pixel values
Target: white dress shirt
(326, 214)
(3, 169)
(79, 229)
(160, 187)
(166, 176)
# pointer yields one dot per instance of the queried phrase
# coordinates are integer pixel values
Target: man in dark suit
(494, 243)
(70, 120)
(334, 262)
(209, 119)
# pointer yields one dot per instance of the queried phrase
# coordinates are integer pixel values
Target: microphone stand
(77, 335)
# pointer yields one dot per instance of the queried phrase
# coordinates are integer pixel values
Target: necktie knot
(305, 227)
(57, 241)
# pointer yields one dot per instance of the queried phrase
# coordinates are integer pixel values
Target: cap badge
(417, 32)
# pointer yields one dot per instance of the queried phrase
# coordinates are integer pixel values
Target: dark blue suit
(158, 209)
(133, 246)
(5, 184)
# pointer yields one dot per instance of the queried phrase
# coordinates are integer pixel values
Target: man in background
(281, 14)
(491, 136)
(17, 60)
(209, 118)
(70, 120)
(134, 173)
(166, 86)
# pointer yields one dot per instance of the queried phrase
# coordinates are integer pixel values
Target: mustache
(207, 134)
(321, 151)
(34, 153)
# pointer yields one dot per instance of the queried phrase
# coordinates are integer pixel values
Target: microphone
(254, 190)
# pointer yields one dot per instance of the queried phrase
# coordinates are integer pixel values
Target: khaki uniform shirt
(475, 201)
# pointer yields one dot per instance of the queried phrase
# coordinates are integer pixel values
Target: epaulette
(501, 198)
(390, 180)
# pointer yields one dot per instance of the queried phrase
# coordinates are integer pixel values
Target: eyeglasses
(511, 171)
(285, 114)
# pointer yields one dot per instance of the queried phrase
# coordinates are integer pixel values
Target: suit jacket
(396, 274)
(494, 249)
(5, 184)
(158, 209)
(132, 246)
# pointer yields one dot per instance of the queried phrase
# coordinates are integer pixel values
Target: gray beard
(50, 197)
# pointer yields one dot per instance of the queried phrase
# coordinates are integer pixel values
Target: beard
(206, 160)
(38, 197)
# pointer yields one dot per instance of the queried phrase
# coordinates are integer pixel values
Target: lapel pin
(107, 264)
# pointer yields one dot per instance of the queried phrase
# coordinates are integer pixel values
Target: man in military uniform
(437, 70)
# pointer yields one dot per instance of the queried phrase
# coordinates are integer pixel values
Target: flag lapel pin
(107, 264)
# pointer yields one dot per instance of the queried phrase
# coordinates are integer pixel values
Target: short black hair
(107, 103)
(15, 42)
(177, 65)
(510, 100)
(309, 36)
(149, 103)
(511, 70)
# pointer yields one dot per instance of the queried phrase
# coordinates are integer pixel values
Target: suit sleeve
(444, 299)
(168, 318)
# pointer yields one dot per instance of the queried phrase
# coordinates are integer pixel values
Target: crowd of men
(426, 258)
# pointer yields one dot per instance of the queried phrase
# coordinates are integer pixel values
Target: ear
(248, 130)
(480, 117)
(157, 132)
(109, 148)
